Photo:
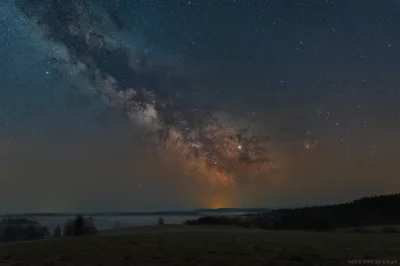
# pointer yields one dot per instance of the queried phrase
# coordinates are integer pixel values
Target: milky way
(149, 96)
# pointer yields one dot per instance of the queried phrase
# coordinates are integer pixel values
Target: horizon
(187, 211)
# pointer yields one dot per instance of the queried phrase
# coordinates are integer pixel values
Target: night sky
(158, 105)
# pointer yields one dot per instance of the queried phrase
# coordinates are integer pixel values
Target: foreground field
(373, 229)
(180, 245)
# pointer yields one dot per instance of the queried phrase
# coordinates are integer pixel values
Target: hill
(193, 245)
(368, 211)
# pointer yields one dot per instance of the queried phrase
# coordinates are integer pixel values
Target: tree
(80, 226)
(68, 228)
(89, 227)
(57, 232)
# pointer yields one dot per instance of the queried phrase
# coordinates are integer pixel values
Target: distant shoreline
(197, 212)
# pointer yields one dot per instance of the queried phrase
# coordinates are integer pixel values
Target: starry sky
(158, 105)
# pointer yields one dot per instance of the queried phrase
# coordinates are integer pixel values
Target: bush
(360, 230)
(117, 225)
(390, 230)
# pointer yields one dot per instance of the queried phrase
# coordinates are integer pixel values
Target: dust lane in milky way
(206, 143)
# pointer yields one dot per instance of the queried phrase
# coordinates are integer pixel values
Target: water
(108, 222)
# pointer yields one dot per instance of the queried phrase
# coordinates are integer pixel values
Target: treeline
(21, 229)
(17, 229)
(369, 211)
(223, 220)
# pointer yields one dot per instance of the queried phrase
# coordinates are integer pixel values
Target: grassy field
(373, 229)
(196, 245)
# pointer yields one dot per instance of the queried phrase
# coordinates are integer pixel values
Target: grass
(196, 245)
(393, 229)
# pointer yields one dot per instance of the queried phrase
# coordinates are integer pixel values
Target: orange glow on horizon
(217, 205)
(218, 202)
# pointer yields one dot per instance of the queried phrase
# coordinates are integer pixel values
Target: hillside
(183, 245)
(368, 211)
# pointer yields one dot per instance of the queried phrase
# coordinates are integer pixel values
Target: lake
(107, 222)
